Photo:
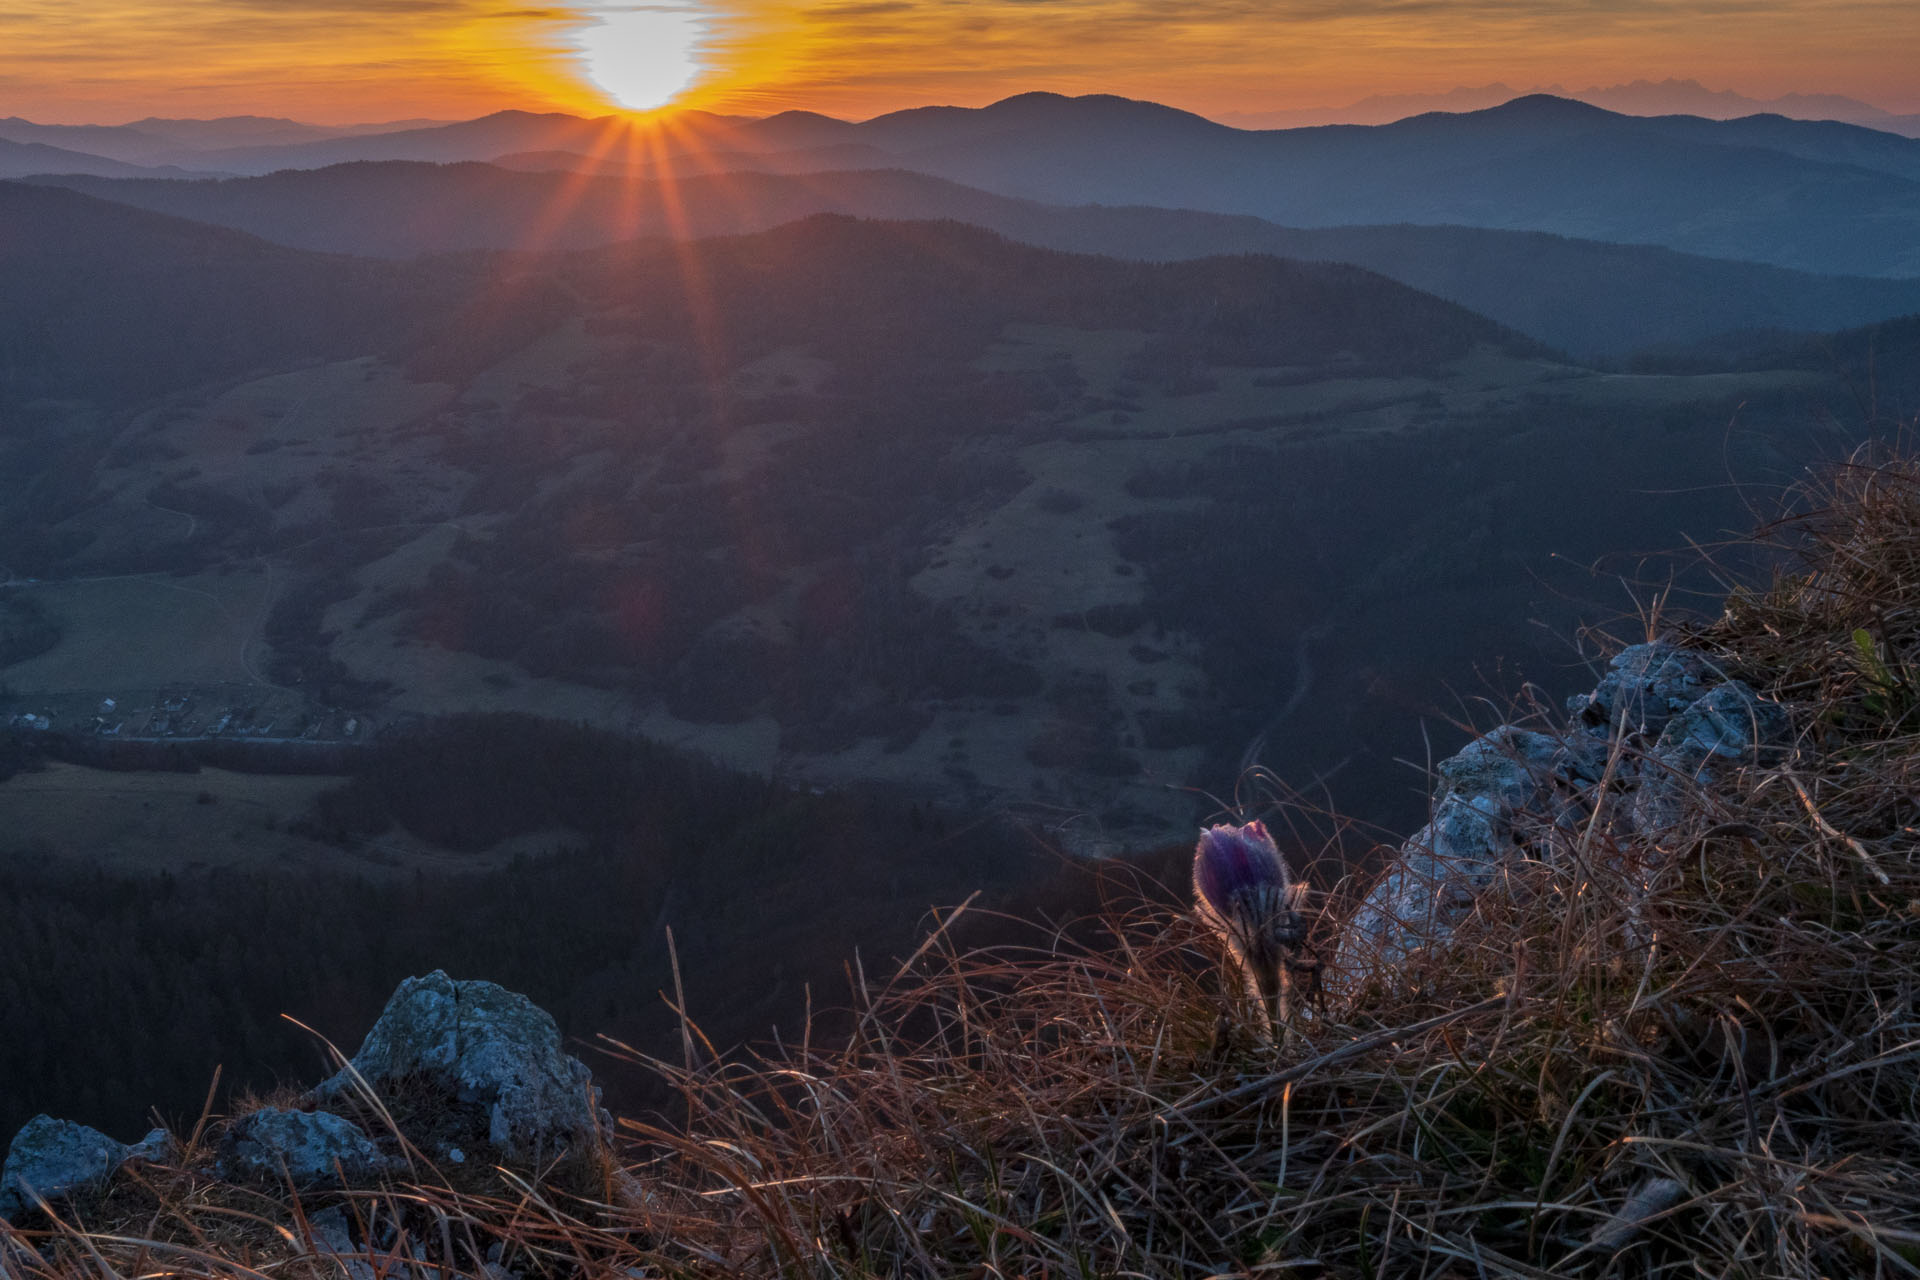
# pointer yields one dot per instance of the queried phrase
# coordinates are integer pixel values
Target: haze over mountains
(1820, 197)
(1593, 299)
(1670, 97)
(189, 143)
(24, 159)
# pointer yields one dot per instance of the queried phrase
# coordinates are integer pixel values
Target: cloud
(324, 59)
(842, 12)
(368, 59)
(1226, 53)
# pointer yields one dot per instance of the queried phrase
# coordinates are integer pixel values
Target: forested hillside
(136, 987)
(115, 305)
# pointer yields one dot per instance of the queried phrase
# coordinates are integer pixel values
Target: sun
(643, 56)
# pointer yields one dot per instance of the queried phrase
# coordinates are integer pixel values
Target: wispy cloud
(105, 60)
(96, 59)
(1211, 54)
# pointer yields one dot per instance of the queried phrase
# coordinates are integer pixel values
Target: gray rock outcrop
(52, 1159)
(312, 1148)
(1654, 729)
(1645, 686)
(1728, 723)
(158, 1147)
(494, 1061)
(1461, 850)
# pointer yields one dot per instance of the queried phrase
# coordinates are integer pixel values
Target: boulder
(1728, 724)
(312, 1148)
(55, 1158)
(1459, 852)
(158, 1147)
(1422, 892)
(1646, 685)
(1665, 717)
(493, 1061)
(1508, 766)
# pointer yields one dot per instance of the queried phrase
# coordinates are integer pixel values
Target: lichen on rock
(50, 1159)
(485, 1055)
(1728, 724)
(1645, 686)
(311, 1148)
(1659, 722)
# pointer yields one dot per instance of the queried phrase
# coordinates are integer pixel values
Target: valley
(1086, 583)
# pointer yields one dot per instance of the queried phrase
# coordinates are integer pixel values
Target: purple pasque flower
(1246, 895)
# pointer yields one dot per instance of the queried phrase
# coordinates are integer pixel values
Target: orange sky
(337, 61)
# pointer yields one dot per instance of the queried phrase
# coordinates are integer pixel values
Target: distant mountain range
(159, 143)
(1640, 98)
(245, 143)
(1592, 299)
(1748, 189)
(1595, 232)
(1822, 197)
(25, 159)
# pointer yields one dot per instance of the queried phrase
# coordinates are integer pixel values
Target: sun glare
(643, 56)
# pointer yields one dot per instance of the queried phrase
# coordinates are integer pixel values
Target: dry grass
(1692, 1055)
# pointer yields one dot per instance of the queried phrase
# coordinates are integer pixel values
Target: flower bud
(1245, 895)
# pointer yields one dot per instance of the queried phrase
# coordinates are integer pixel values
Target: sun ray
(712, 346)
(574, 185)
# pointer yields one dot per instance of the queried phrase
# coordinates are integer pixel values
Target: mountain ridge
(1823, 197)
(1640, 97)
(117, 303)
(34, 159)
(1586, 296)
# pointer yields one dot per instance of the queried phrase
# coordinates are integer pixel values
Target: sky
(349, 61)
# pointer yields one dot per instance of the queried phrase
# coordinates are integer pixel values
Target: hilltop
(118, 305)
(942, 533)
(652, 580)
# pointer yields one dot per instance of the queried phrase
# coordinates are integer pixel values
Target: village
(240, 713)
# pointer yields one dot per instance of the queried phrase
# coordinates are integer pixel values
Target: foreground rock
(456, 1066)
(308, 1148)
(1637, 750)
(1728, 724)
(486, 1065)
(52, 1159)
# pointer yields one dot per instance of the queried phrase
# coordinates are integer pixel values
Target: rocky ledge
(454, 1070)
(1654, 731)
